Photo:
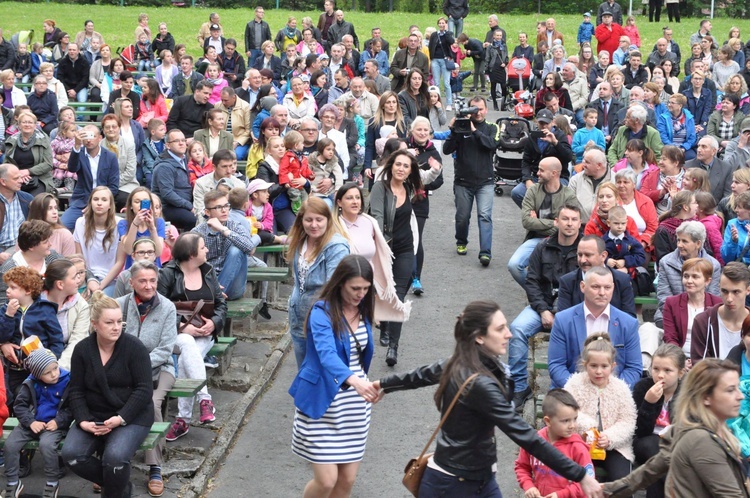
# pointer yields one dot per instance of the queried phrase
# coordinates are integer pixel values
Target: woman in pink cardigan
(153, 105)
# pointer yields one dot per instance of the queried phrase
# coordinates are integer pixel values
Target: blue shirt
(122, 231)
(13, 219)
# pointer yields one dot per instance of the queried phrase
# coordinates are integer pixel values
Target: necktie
(605, 106)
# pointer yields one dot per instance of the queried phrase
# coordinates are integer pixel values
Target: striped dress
(340, 435)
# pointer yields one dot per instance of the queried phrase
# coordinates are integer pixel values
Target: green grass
(117, 24)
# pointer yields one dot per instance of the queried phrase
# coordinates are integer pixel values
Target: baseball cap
(606, 13)
(434, 89)
(323, 56)
(544, 116)
(587, 14)
(214, 27)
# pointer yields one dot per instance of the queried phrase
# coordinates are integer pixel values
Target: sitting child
(198, 165)
(37, 316)
(706, 214)
(535, 478)
(696, 180)
(626, 254)
(42, 417)
(262, 212)
(735, 246)
(61, 147)
(152, 148)
(588, 135)
(144, 54)
(325, 166)
(293, 166)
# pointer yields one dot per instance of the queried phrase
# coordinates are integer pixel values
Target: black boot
(391, 357)
(384, 339)
(263, 311)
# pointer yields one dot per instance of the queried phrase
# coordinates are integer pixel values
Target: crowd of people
(308, 142)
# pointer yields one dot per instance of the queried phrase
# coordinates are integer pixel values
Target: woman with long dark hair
(414, 99)
(466, 448)
(331, 421)
(391, 204)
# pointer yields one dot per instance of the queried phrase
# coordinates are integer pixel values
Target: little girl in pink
(61, 147)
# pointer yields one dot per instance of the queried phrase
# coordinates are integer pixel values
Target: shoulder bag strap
(447, 412)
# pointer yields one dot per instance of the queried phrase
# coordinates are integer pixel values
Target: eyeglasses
(225, 207)
(145, 253)
(308, 129)
(178, 141)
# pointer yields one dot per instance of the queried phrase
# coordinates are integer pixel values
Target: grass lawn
(117, 24)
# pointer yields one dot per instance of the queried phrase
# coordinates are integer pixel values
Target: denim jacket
(319, 273)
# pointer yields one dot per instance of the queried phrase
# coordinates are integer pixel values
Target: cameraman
(474, 176)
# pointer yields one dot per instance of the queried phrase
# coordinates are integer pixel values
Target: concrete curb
(196, 487)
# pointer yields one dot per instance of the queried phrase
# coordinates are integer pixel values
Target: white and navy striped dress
(340, 435)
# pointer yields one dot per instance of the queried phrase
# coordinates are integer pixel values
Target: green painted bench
(268, 274)
(647, 300)
(157, 433)
(243, 308)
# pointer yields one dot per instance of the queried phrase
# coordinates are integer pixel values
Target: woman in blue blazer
(332, 395)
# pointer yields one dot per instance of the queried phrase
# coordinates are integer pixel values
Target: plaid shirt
(218, 245)
(13, 219)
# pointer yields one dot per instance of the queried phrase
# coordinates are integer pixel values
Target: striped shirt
(13, 219)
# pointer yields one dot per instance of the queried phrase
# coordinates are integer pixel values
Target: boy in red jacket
(293, 166)
(536, 479)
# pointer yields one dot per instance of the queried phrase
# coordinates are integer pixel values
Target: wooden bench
(243, 308)
(157, 432)
(647, 300)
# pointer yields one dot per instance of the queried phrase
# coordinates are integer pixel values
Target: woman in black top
(414, 99)
(391, 205)
(466, 448)
(110, 395)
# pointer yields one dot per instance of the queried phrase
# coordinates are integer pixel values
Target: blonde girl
(96, 238)
(740, 184)
(696, 180)
(606, 404)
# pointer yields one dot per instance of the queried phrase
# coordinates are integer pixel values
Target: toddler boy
(625, 253)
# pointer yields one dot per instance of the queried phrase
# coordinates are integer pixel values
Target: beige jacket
(79, 321)
(241, 126)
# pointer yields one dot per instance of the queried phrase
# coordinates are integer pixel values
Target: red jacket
(597, 226)
(647, 210)
(608, 40)
(714, 236)
(676, 316)
(530, 472)
(291, 163)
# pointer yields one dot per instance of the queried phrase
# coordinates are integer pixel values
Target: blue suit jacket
(326, 365)
(107, 175)
(569, 334)
(570, 294)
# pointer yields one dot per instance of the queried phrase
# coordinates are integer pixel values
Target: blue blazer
(108, 174)
(326, 365)
(570, 294)
(569, 333)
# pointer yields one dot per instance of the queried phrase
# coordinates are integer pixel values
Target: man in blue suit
(594, 314)
(95, 167)
(592, 252)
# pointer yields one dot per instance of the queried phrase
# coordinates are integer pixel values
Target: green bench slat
(646, 300)
(242, 308)
(157, 432)
(186, 388)
(270, 249)
(268, 274)
(229, 341)
(222, 345)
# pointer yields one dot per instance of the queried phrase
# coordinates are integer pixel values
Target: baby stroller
(519, 75)
(127, 54)
(514, 131)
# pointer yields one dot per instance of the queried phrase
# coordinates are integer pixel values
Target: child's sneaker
(211, 362)
(207, 411)
(13, 490)
(178, 429)
(50, 490)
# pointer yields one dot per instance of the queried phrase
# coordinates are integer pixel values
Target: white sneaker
(448, 108)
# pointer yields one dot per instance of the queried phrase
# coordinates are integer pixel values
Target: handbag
(190, 312)
(415, 468)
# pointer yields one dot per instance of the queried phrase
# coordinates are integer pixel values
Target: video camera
(463, 111)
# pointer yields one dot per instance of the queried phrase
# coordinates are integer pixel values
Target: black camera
(463, 111)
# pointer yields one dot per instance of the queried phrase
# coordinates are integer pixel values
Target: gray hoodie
(157, 331)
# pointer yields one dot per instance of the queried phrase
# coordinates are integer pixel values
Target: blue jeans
(241, 152)
(456, 26)
(439, 71)
(525, 326)
(69, 217)
(82, 96)
(112, 470)
(464, 199)
(299, 343)
(579, 119)
(436, 484)
(254, 54)
(519, 263)
(233, 275)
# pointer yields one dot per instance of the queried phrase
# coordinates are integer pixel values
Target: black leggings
(478, 73)
(420, 248)
(644, 448)
(403, 265)
(266, 237)
(654, 10)
(182, 218)
(673, 11)
(493, 88)
(616, 465)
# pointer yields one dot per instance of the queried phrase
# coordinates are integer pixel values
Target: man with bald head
(595, 171)
(539, 209)
(14, 208)
(95, 166)
(660, 55)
